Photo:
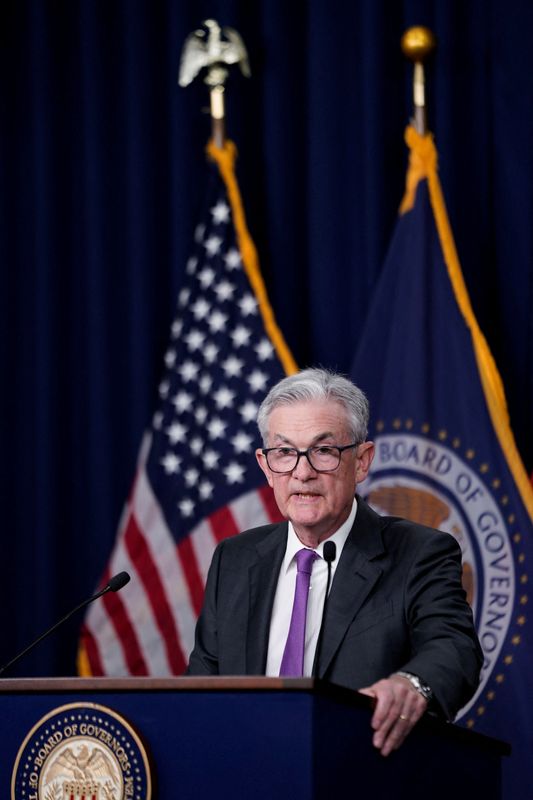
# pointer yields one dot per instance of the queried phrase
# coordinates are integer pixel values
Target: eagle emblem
(426, 509)
(207, 49)
(83, 771)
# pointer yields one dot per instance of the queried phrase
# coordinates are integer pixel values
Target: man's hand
(398, 708)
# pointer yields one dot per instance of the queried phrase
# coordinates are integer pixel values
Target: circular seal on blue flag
(81, 751)
(437, 482)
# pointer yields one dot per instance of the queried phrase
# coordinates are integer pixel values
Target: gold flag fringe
(225, 160)
(423, 163)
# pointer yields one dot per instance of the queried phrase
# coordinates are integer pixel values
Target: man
(397, 626)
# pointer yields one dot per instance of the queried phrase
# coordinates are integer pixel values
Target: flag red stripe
(126, 633)
(267, 497)
(193, 577)
(223, 523)
(148, 572)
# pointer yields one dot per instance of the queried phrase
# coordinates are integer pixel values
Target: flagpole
(213, 49)
(418, 43)
(218, 114)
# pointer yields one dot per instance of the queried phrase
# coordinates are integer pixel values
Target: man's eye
(285, 451)
(323, 450)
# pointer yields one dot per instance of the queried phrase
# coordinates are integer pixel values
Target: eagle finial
(212, 47)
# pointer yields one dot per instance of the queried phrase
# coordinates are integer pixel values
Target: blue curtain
(101, 180)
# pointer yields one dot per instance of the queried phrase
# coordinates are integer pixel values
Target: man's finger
(388, 708)
(398, 708)
(411, 712)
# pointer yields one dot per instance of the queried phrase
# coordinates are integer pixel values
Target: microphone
(329, 553)
(116, 583)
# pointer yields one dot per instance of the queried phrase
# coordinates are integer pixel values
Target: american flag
(197, 480)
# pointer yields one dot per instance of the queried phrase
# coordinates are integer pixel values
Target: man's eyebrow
(279, 437)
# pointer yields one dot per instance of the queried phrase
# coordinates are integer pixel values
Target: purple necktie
(292, 662)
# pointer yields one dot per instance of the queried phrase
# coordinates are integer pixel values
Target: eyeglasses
(322, 457)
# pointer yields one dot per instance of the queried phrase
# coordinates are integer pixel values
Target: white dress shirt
(284, 598)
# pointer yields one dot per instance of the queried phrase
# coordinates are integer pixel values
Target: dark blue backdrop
(101, 179)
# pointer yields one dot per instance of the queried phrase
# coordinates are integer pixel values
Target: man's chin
(305, 512)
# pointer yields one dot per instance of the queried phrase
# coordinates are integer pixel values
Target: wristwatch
(417, 684)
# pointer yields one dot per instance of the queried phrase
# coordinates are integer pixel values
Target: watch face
(425, 690)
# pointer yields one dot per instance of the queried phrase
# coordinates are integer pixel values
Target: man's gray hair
(317, 384)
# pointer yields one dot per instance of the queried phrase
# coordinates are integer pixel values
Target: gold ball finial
(418, 43)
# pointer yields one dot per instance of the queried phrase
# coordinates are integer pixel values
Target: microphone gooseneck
(114, 585)
(329, 553)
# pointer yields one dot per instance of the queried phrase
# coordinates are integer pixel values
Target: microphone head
(118, 581)
(330, 552)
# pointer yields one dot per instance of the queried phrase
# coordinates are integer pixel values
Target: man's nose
(303, 469)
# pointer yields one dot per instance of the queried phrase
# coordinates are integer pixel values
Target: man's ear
(365, 456)
(261, 460)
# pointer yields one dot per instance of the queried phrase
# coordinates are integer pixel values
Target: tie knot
(304, 560)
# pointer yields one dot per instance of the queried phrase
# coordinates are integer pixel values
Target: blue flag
(445, 453)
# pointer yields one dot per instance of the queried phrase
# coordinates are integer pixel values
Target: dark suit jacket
(396, 602)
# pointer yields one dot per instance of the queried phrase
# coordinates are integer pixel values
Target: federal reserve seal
(437, 482)
(81, 751)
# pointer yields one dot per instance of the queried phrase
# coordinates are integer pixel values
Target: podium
(262, 738)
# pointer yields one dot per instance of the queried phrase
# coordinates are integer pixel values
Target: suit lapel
(263, 578)
(355, 577)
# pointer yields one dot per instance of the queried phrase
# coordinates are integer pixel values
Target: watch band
(417, 684)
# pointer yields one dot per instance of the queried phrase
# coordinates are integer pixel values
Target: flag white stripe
(203, 543)
(249, 511)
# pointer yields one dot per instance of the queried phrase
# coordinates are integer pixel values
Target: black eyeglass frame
(299, 453)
